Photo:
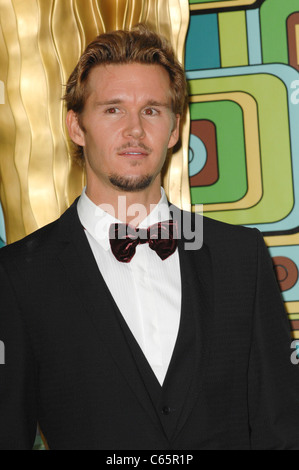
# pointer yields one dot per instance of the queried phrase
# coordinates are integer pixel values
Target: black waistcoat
(173, 400)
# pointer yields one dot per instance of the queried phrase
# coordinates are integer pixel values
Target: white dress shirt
(146, 290)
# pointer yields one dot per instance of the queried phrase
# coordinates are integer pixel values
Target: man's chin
(131, 183)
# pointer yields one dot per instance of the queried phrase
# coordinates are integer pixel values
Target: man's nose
(134, 126)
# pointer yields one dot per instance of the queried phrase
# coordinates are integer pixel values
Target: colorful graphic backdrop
(242, 63)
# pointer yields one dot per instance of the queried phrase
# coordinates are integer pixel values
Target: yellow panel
(297, 41)
(292, 307)
(282, 240)
(215, 5)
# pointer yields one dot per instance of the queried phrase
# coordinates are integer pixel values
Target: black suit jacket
(72, 364)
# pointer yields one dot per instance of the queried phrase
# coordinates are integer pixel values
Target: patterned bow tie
(161, 237)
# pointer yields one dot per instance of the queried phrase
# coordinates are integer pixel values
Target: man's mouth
(133, 153)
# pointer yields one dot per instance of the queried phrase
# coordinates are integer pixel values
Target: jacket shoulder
(44, 240)
(228, 239)
(214, 230)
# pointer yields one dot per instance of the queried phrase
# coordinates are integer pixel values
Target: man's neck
(129, 207)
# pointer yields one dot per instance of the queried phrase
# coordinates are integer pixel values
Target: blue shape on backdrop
(202, 43)
(197, 155)
(2, 229)
(254, 37)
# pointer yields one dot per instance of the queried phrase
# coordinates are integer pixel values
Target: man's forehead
(131, 78)
(115, 68)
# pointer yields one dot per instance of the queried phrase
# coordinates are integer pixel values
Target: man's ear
(76, 133)
(175, 133)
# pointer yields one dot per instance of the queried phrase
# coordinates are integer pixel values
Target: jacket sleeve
(273, 380)
(18, 410)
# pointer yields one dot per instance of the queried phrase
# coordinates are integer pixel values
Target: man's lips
(133, 152)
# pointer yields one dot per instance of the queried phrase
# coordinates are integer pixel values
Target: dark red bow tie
(161, 237)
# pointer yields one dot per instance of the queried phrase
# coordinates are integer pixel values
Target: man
(138, 342)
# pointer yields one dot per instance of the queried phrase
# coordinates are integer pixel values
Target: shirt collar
(97, 221)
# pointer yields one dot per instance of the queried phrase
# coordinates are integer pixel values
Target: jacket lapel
(89, 285)
(198, 309)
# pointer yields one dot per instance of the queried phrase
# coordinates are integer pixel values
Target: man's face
(127, 125)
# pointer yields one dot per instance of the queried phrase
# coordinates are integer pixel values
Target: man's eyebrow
(105, 103)
(158, 103)
(147, 103)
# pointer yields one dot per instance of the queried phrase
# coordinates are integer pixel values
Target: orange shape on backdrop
(206, 131)
(286, 272)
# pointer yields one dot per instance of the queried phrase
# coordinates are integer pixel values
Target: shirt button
(166, 410)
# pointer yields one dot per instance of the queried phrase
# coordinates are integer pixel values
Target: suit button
(166, 410)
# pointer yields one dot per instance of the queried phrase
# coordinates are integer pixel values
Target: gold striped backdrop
(40, 43)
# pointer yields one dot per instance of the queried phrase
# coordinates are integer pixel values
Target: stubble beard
(130, 183)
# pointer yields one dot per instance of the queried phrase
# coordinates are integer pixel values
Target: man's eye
(111, 110)
(150, 111)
